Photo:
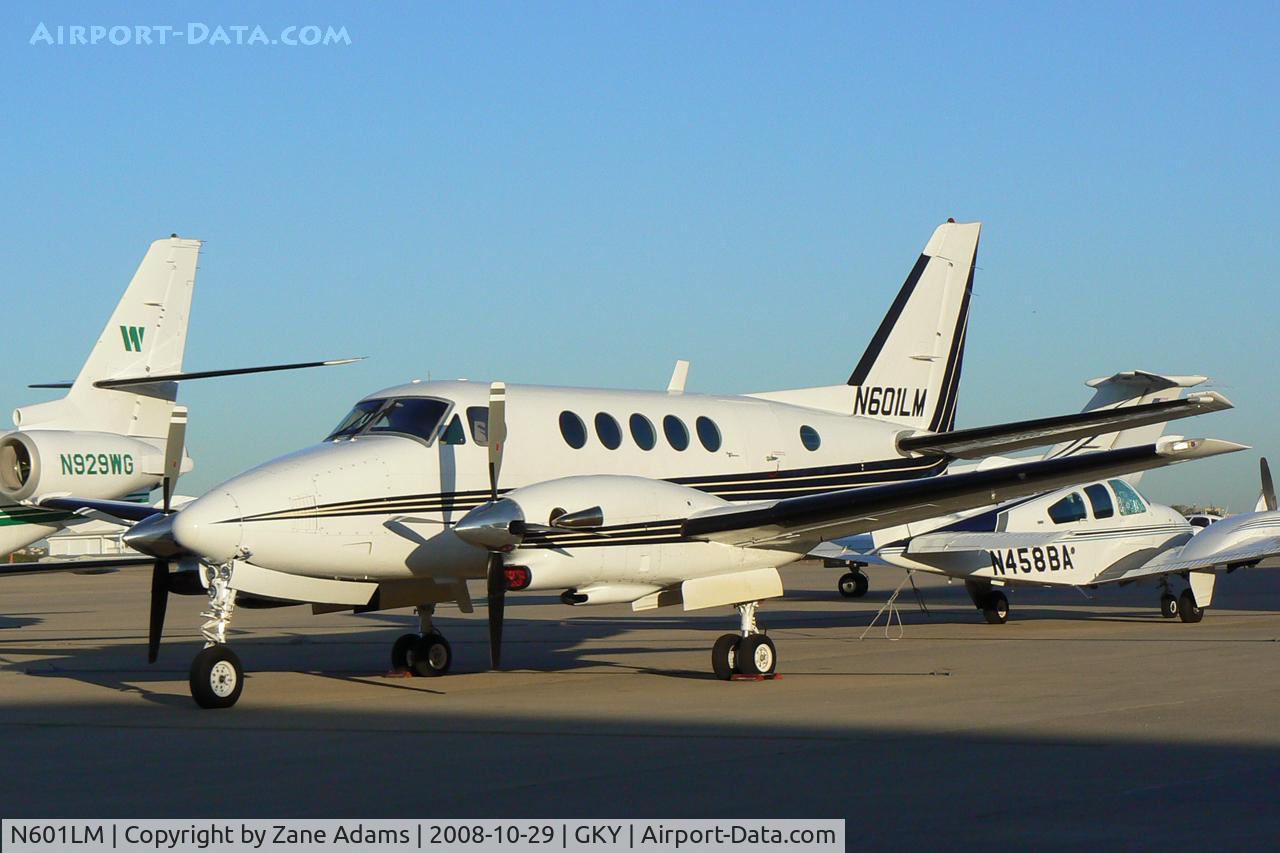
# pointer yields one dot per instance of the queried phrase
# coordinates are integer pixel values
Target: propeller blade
(159, 602)
(1268, 487)
(497, 433)
(497, 591)
(173, 450)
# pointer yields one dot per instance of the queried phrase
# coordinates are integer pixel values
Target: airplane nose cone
(210, 526)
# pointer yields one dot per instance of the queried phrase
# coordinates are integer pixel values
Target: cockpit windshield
(413, 416)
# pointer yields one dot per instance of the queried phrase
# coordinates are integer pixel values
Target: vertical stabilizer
(147, 334)
(910, 372)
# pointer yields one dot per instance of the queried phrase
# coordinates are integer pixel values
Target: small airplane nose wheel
(216, 678)
(853, 584)
(1168, 606)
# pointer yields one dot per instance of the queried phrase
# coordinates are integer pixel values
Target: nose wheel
(853, 584)
(216, 678)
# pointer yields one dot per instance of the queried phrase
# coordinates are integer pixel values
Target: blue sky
(581, 193)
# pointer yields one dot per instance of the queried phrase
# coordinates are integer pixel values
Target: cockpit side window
(357, 419)
(478, 419)
(454, 433)
(414, 416)
(1130, 501)
(1070, 508)
(1100, 500)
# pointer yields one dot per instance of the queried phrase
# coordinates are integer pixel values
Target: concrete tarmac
(1079, 722)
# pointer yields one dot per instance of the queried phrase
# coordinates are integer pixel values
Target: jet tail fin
(146, 335)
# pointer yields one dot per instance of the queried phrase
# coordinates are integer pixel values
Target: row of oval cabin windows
(643, 433)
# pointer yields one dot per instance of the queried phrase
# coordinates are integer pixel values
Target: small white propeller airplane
(1082, 536)
(106, 438)
(425, 485)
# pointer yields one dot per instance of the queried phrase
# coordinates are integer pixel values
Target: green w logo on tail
(132, 337)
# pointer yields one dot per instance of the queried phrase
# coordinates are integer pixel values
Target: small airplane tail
(910, 372)
(146, 335)
(1130, 388)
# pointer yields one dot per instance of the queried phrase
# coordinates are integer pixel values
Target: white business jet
(107, 437)
(652, 498)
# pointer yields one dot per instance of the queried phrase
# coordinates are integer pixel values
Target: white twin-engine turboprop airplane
(107, 437)
(650, 498)
(1099, 533)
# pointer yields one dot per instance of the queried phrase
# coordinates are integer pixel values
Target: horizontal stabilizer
(947, 542)
(123, 510)
(804, 521)
(1005, 438)
(86, 565)
(206, 374)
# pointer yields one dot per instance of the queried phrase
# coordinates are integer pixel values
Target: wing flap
(1005, 438)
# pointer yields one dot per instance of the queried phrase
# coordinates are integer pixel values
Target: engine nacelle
(84, 464)
(622, 499)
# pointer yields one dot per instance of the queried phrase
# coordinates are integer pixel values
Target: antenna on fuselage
(678, 377)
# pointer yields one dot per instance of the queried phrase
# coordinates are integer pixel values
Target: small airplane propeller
(1268, 499)
(495, 577)
(174, 447)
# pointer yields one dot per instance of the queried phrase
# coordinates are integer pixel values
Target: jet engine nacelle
(620, 499)
(85, 464)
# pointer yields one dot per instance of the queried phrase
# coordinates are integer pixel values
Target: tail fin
(1130, 388)
(910, 373)
(147, 334)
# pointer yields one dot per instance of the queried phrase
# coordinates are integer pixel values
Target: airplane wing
(802, 522)
(1169, 562)
(1004, 438)
(82, 565)
(944, 542)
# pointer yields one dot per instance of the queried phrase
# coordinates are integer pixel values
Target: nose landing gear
(216, 678)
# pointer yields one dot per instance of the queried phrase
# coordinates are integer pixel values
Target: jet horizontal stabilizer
(206, 374)
(978, 442)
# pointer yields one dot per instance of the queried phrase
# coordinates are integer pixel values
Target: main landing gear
(993, 603)
(748, 652)
(426, 653)
(1184, 606)
(217, 678)
(853, 584)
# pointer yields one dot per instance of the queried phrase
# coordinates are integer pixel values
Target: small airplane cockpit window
(677, 433)
(416, 416)
(708, 433)
(478, 419)
(809, 438)
(1199, 521)
(1130, 501)
(1070, 508)
(573, 430)
(357, 419)
(454, 433)
(608, 431)
(1100, 500)
(642, 432)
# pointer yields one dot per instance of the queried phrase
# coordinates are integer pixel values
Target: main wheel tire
(1187, 607)
(724, 656)
(400, 652)
(757, 655)
(995, 608)
(1168, 606)
(853, 584)
(430, 655)
(216, 678)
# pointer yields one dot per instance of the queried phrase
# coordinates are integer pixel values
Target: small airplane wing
(82, 565)
(802, 522)
(1005, 438)
(1170, 562)
(944, 541)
